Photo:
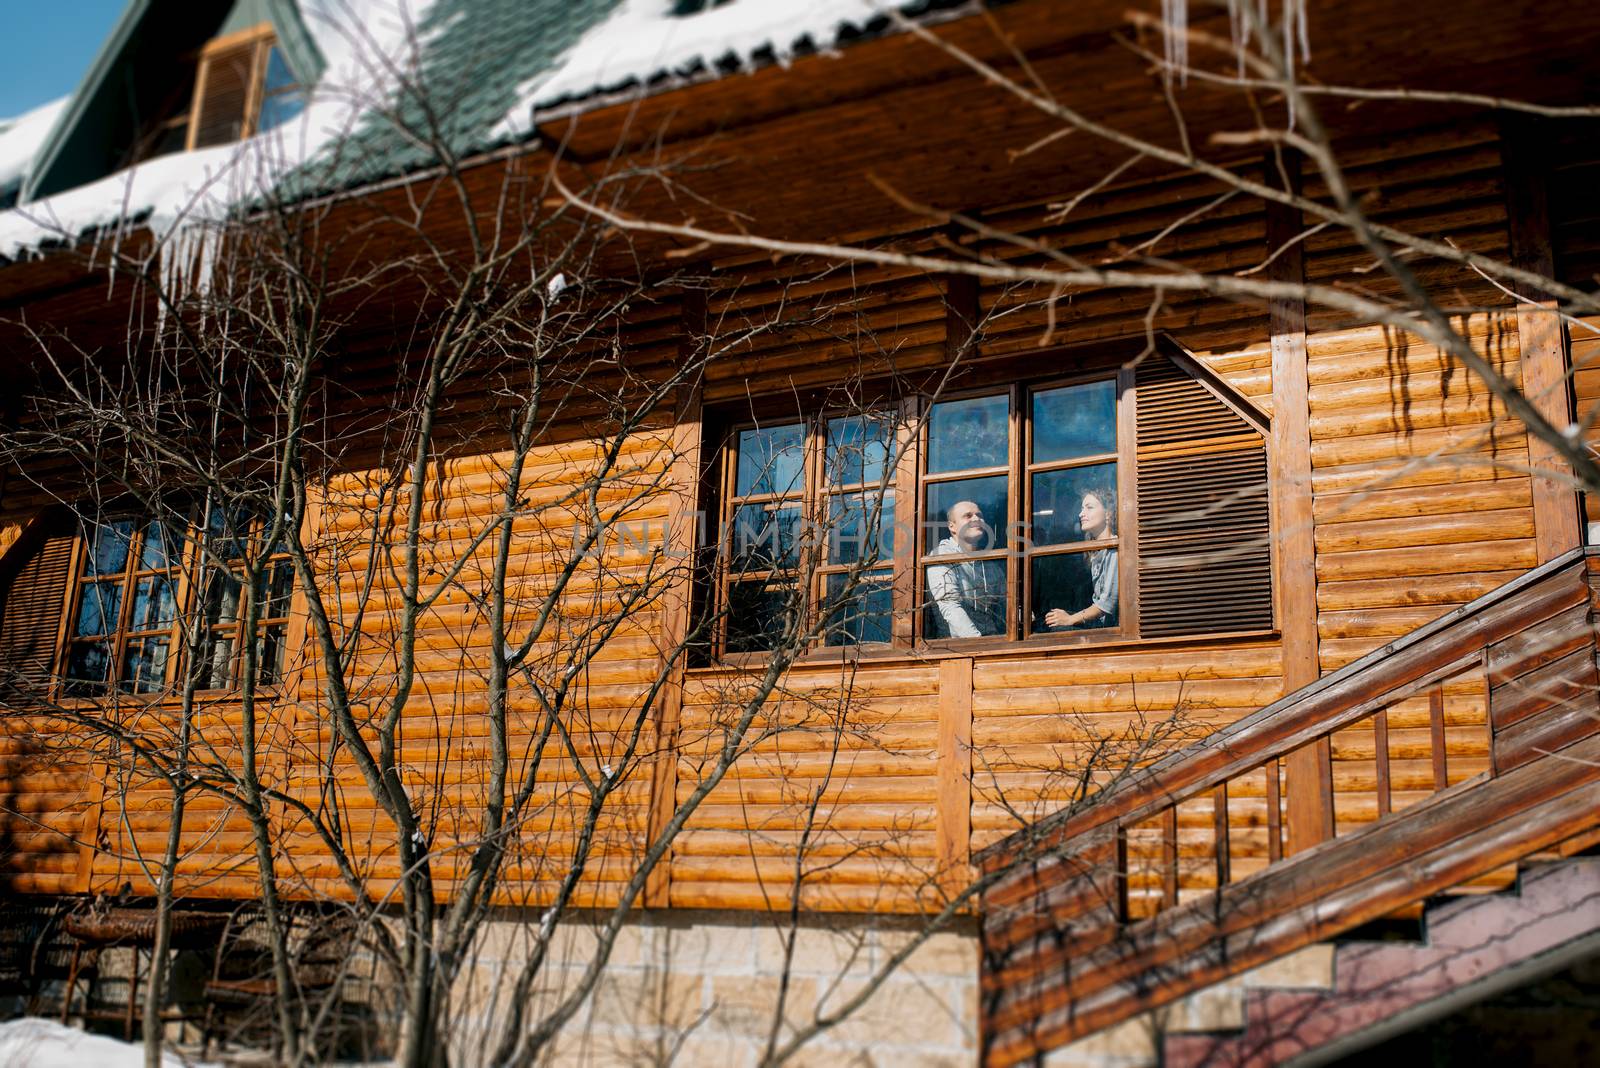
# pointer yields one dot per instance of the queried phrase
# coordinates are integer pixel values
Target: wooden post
(1308, 770)
(89, 829)
(953, 818)
(1541, 337)
(684, 483)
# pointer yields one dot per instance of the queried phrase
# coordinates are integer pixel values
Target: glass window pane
(757, 613)
(144, 666)
(269, 654)
(97, 612)
(88, 666)
(859, 448)
(278, 76)
(764, 536)
(967, 515)
(162, 545)
(770, 460)
(280, 587)
(279, 108)
(153, 603)
(970, 433)
(1065, 586)
(862, 616)
(222, 598)
(860, 527)
(229, 535)
(966, 599)
(1075, 421)
(216, 662)
(108, 548)
(1076, 504)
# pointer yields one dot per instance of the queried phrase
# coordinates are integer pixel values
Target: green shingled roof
(476, 55)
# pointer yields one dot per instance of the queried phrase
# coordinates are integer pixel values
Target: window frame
(261, 39)
(909, 482)
(1121, 359)
(182, 570)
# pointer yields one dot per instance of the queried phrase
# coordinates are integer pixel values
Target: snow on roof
(21, 138)
(367, 44)
(644, 40)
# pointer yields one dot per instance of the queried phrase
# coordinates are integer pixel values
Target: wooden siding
(1419, 505)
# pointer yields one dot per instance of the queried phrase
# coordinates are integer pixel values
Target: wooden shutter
(32, 616)
(222, 100)
(1205, 540)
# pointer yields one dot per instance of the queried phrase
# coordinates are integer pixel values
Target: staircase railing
(1181, 876)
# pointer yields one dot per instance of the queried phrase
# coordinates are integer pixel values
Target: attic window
(243, 86)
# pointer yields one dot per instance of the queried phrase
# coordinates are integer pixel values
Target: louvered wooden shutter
(224, 87)
(32, 615)
(1205, 553)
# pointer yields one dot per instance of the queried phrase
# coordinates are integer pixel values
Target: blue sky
(47, 46)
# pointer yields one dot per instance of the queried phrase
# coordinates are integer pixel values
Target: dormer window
(243, 86)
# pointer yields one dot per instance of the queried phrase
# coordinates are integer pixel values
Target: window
(1020, 506)
(1122, 503)
(233, 541)
(243, 86)
(123, 626)
(808, 498)
(125, 622)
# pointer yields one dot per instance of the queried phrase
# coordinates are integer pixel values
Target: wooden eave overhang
(803, 151)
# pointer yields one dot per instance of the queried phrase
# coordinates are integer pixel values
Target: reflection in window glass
(858, 449)
(153, 603)
(1075, 421)
(861, 527)
(161, 546)
(765, 536)
(1063, 501)
(88, 666)
(865, 615)
(269, 654)
(970, 433)
(1066, 585)
(770, 460)
(757, 613)
(98, 611)
(967, 515)
(966, 599)
(144, 666)
(109, 553)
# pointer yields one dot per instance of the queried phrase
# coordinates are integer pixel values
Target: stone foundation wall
(701, 988)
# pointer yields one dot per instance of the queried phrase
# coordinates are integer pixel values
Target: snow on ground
(643, 38)
(32, 1042)
(20, 138)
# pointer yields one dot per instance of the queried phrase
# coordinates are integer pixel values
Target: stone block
(1311, 967)
(721, 947)
(903, 1011)
(745, 1005)
(818, 951)
(646, 1001)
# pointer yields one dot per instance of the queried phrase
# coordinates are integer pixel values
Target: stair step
(1475, 947)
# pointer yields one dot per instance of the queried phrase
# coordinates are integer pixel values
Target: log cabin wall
(1418, 504)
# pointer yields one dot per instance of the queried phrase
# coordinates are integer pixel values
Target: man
(969, 596)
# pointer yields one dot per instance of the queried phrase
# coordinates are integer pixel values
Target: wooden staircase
(1473, 947)
(1098, 918)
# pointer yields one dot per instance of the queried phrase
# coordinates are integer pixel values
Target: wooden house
(1301, 519)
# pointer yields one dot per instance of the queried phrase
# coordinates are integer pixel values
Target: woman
(1097, 517)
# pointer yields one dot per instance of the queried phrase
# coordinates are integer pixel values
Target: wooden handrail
(1435, 650)
(1068, 946)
